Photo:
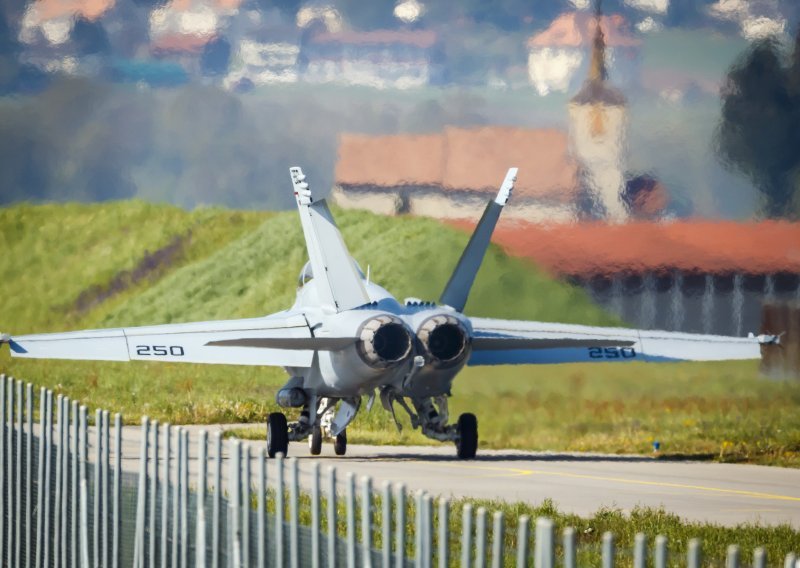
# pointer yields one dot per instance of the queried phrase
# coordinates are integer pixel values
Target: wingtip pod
(507, 187)
(301, 190)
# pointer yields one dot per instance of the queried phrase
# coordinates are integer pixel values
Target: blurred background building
(640, 132)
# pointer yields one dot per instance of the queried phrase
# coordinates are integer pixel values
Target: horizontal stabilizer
(179, 343)
(302, 343)
(504, 343)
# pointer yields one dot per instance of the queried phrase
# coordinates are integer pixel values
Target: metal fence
(73, 497)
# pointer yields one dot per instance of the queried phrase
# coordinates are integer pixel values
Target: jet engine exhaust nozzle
(445, 340)
(384, 342)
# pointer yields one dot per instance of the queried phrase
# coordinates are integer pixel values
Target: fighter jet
(346, 338)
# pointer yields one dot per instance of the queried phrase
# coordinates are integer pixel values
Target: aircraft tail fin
(458, 287)
(339, 284)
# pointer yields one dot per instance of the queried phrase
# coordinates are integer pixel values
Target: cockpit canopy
(307, 273)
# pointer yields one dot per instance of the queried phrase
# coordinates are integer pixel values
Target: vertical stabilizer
(338, 281)
(457, 290)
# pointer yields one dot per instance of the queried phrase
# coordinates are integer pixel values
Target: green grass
(777, 541)
(235, 264)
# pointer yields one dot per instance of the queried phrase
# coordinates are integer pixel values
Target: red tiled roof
(577, 29)
(716, 247)
(474, 159)
(183, 43)
(89, 9)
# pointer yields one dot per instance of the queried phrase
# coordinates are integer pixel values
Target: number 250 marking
(612, 352)
(160, 350)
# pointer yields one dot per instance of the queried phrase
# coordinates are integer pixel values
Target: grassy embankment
(76, 266)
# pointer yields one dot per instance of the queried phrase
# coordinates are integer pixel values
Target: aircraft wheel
(315, 441)
(340, 443)
(277, 434)
(467, 444)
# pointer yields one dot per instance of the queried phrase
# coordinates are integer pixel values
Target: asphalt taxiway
(728, 494)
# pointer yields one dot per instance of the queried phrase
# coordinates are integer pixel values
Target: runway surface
(728, 494)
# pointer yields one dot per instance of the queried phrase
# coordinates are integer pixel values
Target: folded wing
(507, 342)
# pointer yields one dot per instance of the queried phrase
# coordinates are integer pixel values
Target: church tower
(598, 118)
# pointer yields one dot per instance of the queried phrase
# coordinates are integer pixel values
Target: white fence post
(331, 517)
(176, 500)
(183, 472)
(661, 552)
(522, 541)
(279, 509)
(497, 540)
(386, 525)
(444, 534)
(366, 522)
(262, 508)
(105, 488)
(141, 503)
(202, 465)
(75, 492)
(759, 558)
(418, 529)
(57, 501)
(28, 473)
(608, 550)
(217, 496)
(400, 527)
(294, 518)
(315, 515)
(570, 552)
(480, 538)
(153, 493)
(18, 524)
(95, 493)
(3, 427)
(694, 554)
(234, 501)
(245, 469)
(732, 557)
(116, 519)
(165, 489)
(350, 500)
(640, 551)
(544, 555)
(466, 535)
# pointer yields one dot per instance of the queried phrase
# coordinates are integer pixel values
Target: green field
(131, 263)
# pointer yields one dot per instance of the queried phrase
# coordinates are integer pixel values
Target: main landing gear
(431, 415)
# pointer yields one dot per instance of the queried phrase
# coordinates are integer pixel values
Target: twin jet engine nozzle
(445, 340)
(385, 341)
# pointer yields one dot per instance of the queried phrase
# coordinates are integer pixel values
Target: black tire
(315, 441)
(340, 443)
(467, 443)
(277, 435)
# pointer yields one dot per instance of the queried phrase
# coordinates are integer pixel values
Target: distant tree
(759, 131)
(288, 7)
(216, 57)
(372, 15)
(90, 37)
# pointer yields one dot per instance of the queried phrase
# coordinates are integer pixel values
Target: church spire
(597, 68)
